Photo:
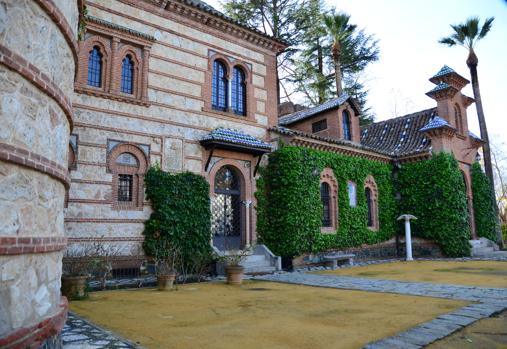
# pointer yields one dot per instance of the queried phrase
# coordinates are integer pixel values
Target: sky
(408, 32)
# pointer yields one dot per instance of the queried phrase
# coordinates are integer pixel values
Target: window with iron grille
(125, 184)
(238, 92)
(219, 87)
(369, 204)
(95, 67)
(127, 75)
(346, 125)
(319, 125)
(326, 204)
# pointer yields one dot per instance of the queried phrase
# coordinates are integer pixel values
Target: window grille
(125, 184)
(346, 126)
(95, 67)
(219, 87)
(238, 92)
(319, 125)
(326, 205)
(369, 204)
(127, 75)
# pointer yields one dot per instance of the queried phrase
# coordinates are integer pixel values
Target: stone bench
(331, 260)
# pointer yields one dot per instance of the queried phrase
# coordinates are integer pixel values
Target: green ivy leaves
(483, 201)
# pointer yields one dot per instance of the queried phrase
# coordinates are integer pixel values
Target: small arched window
(369, 205)
(325, 197)
(127, 75)
(346, 126)
(95, 67)
(371, 197)
(219, 86)
(457, 119)
(238, 92)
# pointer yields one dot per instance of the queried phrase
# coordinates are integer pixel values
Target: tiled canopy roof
(399, 136)
(445, 70)
(306, 113)
(441, 86)
(434, 123)
(235, 137)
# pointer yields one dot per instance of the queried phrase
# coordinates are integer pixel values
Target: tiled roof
(399, 136)
(201, 5)
(434, 123)
(119, 27)
(441, 86)
(306, 113)
(236, 137)
(445, 70)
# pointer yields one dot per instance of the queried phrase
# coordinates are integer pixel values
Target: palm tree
(467, 34)
(339, 30)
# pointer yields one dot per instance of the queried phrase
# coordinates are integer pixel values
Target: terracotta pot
(234, 274)
(74, 287)
(166, 282)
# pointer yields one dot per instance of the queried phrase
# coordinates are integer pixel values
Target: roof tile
(233, 136)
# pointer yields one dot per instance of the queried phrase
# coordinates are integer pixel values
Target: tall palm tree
(467, 34)
(339, 30)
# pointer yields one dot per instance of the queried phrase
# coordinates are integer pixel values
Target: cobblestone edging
(491, 301)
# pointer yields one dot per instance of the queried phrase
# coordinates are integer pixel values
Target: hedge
(434, 191)
(289, 207)
(483, 201)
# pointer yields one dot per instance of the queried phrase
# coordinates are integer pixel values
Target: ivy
(181, 214)
(483, 200)
(289, 208)
(434, 191)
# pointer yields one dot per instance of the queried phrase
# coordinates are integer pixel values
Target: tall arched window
(346, 125)
(238, 92)
(457, 119)
(325, 197)
(371, 196)
(369, 205)
(95, 67)
(127, 75)
(219, 86)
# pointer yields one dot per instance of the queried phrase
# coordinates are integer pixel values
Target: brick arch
(223, 59)
(137, 173)
(138, 69)
(246, 70)
(84, 50)
(327, 176)
(372, 185)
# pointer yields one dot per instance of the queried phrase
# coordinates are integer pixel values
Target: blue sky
(408, 33)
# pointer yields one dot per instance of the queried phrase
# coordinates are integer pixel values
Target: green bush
(289, 208)
(181, 214)
(434, 191)
(484, 201)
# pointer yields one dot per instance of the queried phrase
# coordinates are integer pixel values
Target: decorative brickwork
(25, 245)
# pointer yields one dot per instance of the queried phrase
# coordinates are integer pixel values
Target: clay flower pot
(234, 274)
(74, 287)
(166, 281)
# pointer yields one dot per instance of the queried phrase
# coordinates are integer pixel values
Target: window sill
(122, 97)
(328, 230)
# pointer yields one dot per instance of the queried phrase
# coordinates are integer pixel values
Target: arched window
(128, 164)
(457, 119)
(325, 197)
(219, 86)
(346, 125)
(95, 67)
(371, 194)
(127, 75)
(238, 92)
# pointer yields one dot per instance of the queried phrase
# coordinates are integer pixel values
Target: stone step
(255, 258)
(265, 269)
(482, 251)
(256, 264)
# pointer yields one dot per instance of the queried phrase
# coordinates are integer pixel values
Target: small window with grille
(125, 184)
(319, 125)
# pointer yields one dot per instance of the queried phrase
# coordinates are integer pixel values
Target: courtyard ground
(257, 315)
(472, 273)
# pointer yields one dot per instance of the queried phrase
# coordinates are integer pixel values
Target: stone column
(36, 80)
(144, 73)
(247, 204)
(115, 71)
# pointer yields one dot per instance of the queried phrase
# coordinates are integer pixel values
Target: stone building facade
(38, 57)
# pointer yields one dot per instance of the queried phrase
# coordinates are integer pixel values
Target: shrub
(484, 201)
(434, 191)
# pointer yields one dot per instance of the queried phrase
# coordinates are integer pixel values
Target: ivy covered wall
(434, 191)
(483, 198)
(289, 207)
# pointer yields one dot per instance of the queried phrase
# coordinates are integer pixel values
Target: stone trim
(102, 220)
(26, 245)
(372, 185)
(30, 72)
(33, 336)
(60, 21)
(34, 162)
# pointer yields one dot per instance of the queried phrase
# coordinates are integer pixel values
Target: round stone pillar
(38, 56)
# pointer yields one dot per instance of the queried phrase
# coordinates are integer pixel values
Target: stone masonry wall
(176, 116)
(37, 51)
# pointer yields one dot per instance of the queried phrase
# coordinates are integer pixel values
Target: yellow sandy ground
(490, 333)
(473, 273)
(257, 315)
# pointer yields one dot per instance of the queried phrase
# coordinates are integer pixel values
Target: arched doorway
(226, 209)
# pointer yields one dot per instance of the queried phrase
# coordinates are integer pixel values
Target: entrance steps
(486, 248)
(260, 261)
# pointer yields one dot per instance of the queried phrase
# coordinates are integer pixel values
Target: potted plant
(233, 269)
(166, 256)
(75, 273)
